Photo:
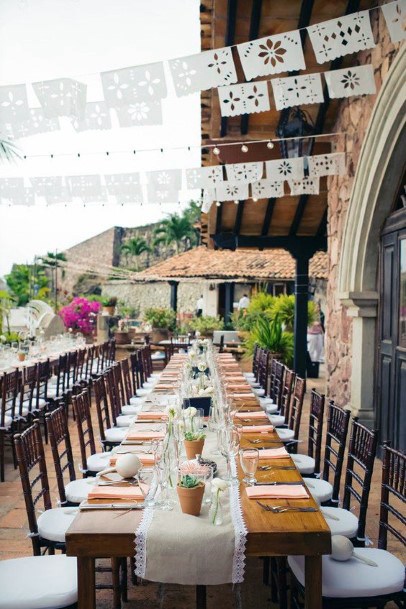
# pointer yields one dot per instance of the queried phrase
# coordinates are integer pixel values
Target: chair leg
(115, 565)
(200, 597)
(266, 564)
(2, 456)
(124, 584)
(281, 566)
(134, 579)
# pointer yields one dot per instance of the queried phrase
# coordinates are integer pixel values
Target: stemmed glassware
(249, 458)
(229, 438)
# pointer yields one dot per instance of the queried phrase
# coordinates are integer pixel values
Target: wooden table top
(111, 533)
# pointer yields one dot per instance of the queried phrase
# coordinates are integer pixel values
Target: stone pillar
(300, 327)
(229, 300)
(174, 295)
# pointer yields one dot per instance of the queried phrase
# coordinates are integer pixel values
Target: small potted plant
(194, 442)
(109, 305)
(206, 325)
(121, 335)
(190, 492)
(161, 320)
(21, 355)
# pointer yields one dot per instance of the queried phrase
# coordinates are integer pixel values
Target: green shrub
(160, 317)
(268, 334)
(206, 324)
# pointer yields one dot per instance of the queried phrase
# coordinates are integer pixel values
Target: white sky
(45, 39)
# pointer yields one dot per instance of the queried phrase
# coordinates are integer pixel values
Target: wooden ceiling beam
(295, 245)
(255, 22)
(268, 216)
(238, 218)
(232, 6)
(321, 231)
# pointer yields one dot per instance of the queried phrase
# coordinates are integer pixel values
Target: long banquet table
(96, 534)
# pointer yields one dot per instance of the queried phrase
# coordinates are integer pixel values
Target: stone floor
(14, 542)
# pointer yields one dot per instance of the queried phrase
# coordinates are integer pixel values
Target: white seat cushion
(249, 375)
(155, 375)
(259, 392)
(115, 434)
(148, 385)
(353, 578)
(135, 401)
(158, 355)
(304, 463)
(53, 524)
(78, 490)
(266, 401)
(254, 383)
(128, 409)
(347, 523)
(277, 420)
(142, 392)
(7, 421)
(125, 420)
(285, 434)
(321, 490)
(98, 461)
(49, 582)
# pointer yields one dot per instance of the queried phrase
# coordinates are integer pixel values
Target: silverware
(112, 506)
(279, 482)
(265, 468)
(279, 509)
(135, 443)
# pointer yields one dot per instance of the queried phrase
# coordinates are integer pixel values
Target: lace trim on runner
(240, 530)
(141, 536)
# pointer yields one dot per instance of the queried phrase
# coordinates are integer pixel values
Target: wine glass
(164, 474)
(229, 446)
(147, 475)
(249, 462)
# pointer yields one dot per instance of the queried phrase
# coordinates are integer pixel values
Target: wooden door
(391, 394)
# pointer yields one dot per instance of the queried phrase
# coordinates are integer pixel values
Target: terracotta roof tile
(203, 263)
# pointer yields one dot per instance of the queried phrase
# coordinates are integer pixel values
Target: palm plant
(8, 151)
(134, 247)
(177, 231)
(269, 334)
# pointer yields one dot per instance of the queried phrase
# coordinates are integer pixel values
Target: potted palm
(268, 333)
(206, 324)
(161, 320)
(190, 492)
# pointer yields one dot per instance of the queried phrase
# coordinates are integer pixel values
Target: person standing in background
(243, 302)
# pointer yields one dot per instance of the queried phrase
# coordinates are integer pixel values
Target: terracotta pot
(109, 310)
(193, 448)
(159, 334)
(21, 357)
(190, 499)
(122, 338)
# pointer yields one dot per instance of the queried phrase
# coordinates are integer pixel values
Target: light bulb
(236, 202)
(216, 151)
(218, 203)
(254, 199)
(270, 145)
(244, 148)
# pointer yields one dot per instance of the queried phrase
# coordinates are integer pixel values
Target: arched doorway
(377, 181)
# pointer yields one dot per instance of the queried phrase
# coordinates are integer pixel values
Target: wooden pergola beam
(232, 6)
(255, 22)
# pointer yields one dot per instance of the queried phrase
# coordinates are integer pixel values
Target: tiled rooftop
(239, 265)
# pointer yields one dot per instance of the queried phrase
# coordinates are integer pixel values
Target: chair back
(71, 369)
(336, 436)
(286, 395)
(263, 369)
(81, 408)
(296, 407)
(10, 385)
(34, 477)
(275, 391)
(317, 402)
(129, 390)
(255, 360)
(80, 365)
(102, 405)
(360, 465)
(61, 371)
(136, 370)
(393, 493)
(59, 439)
(28, 385)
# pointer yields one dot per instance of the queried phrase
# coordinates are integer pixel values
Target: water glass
(147, 475)
(249, 462)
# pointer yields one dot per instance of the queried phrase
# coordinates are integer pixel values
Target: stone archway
(379, 170)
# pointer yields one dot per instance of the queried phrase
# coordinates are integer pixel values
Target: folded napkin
(277, 491)
(145, 435)
(116, 492)
(257, 428)
(150, 414)
(242, 395)
(238, 387)
(251, 415)
(144, 458)
(273, 453)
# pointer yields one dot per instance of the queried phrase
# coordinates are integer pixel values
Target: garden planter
(109, 310)
(122, 338)
(21, 357)
(159, 334)
(190, 499)
(193, 448)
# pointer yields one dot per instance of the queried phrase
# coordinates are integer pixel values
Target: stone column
(300, 328)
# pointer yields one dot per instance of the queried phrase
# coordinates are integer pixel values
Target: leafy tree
(134, 247)
(175, 230)
(8, 151)
(25, 281)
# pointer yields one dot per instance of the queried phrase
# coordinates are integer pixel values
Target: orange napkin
(251, 415)
(149, 415)
(257, 428)
(116, 492)
(242, 395)
(277, 491)
(145, 459)
(145, 435)
(239, 387)
(273, 453)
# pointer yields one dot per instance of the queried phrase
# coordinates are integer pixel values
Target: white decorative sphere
(128, 466)
(341, 548)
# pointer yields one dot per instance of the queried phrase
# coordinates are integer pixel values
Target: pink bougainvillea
(80, 315)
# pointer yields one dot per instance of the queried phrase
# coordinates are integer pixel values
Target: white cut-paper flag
(327, 164)
(284, 169)
(203, 71)
(229, 192)
(63, 196)
(163, 186)
(37, 123)
(47, 185)
(129, 85)
(97, 116)
(10, 187)
(341, 36)
(26, 197)
(307, 186)
(395, 16)
(208, 199)
(359, 80)
(14, 104)
(265, 189)
(272, 55)
(61, 97)
(248, 98)
(238, 173)
(297, 90)
(125, 186)
(204, 177)
(87, 187)
(140, 114)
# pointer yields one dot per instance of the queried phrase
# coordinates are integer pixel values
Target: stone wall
(353, 119)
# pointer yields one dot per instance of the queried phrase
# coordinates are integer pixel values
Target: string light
(236, 202)
(244, 148)
(270, 145)
(218, 203)
(216, 151)
(254, 199)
